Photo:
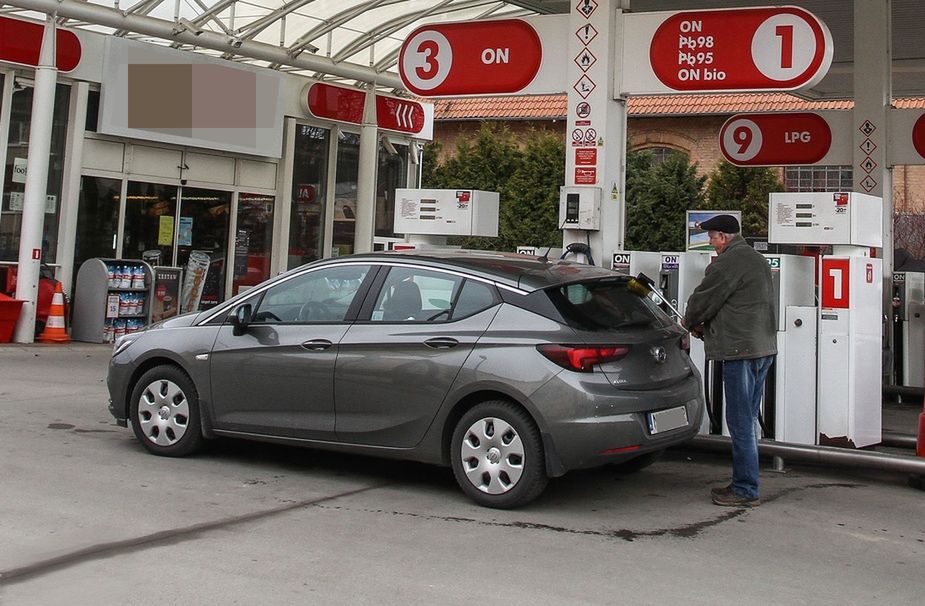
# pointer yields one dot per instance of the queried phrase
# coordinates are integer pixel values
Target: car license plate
(666, 420)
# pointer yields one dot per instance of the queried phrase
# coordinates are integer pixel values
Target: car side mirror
(241, 318)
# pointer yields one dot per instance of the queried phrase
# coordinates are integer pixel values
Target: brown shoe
(725, 490)
(731, 499)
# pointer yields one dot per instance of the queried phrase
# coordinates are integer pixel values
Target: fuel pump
(635, 262)
(909, 328)
(848, 409)
(679, 274)
(789, 406)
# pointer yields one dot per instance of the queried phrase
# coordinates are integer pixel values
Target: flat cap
(724, 223)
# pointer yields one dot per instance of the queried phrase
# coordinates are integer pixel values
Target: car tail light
(582, 358)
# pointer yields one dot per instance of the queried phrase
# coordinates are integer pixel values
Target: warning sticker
(585, 176)
(586, 156)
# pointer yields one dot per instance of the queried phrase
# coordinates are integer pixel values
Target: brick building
(689, 124)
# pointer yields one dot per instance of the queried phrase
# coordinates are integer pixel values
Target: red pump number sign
(478, 57)
(774, 48)
(835, 283)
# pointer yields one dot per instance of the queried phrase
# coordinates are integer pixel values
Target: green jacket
(735, 304)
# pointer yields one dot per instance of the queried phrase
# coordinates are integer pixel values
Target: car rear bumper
(590, 424)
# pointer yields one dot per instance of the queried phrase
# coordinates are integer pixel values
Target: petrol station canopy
(359, 40)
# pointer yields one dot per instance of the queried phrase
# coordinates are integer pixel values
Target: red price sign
(775, 48)
(473, 58)
(775, 139)
(835, 283)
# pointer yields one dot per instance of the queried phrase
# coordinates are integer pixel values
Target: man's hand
(697, 331)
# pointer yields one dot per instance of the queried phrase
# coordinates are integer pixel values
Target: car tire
(638, 463)
(497, 455)
(165, 412)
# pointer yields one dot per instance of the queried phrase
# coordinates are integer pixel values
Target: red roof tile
(553, 107)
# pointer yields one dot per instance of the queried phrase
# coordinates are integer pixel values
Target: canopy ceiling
(369, 33)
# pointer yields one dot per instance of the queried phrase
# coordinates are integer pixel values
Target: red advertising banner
(21, 42)
(918, 135)
(399, 114)
(336, 103)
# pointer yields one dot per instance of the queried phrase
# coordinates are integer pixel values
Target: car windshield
(605, 304)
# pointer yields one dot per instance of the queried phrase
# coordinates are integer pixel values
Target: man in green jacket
(732, 310)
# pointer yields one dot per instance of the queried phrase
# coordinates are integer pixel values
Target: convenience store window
(309, 177)
(14, 182)
(392, 174)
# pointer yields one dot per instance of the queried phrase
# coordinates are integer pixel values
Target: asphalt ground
(88, 517)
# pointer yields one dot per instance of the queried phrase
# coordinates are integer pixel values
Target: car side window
(323, 295)
(475, 297)
(411, 294)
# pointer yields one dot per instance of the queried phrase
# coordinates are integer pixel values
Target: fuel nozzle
(644, 286)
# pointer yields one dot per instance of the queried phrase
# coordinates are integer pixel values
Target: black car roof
(525, 272)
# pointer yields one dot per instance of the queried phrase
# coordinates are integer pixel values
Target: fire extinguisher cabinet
(112, 298)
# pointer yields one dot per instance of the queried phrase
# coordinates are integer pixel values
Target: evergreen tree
(658, 200)
(527, 180)
(530, 199)
(746, 189)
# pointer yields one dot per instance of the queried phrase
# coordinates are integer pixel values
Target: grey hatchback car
(508, 368)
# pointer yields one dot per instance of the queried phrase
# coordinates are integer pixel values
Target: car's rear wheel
(497, 455)
(165, 412)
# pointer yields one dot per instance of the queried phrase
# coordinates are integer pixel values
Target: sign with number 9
(741, 140)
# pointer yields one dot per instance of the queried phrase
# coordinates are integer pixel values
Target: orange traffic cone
(54, 326)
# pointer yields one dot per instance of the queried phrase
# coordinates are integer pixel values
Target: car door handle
(317, 345)
(441, 343)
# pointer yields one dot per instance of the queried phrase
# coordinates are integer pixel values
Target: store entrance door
(202, 236)
(170, 225)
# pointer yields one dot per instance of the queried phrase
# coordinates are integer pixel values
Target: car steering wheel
(312, 311)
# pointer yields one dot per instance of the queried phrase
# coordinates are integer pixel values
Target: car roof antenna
(545, 257)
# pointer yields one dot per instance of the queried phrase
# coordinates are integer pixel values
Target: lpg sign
(799, 138)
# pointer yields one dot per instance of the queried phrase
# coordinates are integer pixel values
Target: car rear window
(605, 304)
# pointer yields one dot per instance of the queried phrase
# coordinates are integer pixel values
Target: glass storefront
(203, 228)
(345, 193)
(392, 174)
(14, 184)
(309, 176)
(156, 232)
(253, 240)
(150, 216)
(97, 219)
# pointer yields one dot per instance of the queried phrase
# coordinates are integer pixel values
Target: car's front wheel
(165, 412)
(497, 455)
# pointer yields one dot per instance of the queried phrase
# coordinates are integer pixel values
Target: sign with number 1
(748, 49)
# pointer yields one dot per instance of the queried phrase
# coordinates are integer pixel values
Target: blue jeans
(743, 381)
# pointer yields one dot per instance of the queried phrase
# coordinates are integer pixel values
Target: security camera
(387, 145)
(235, 42)
(182, 181)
